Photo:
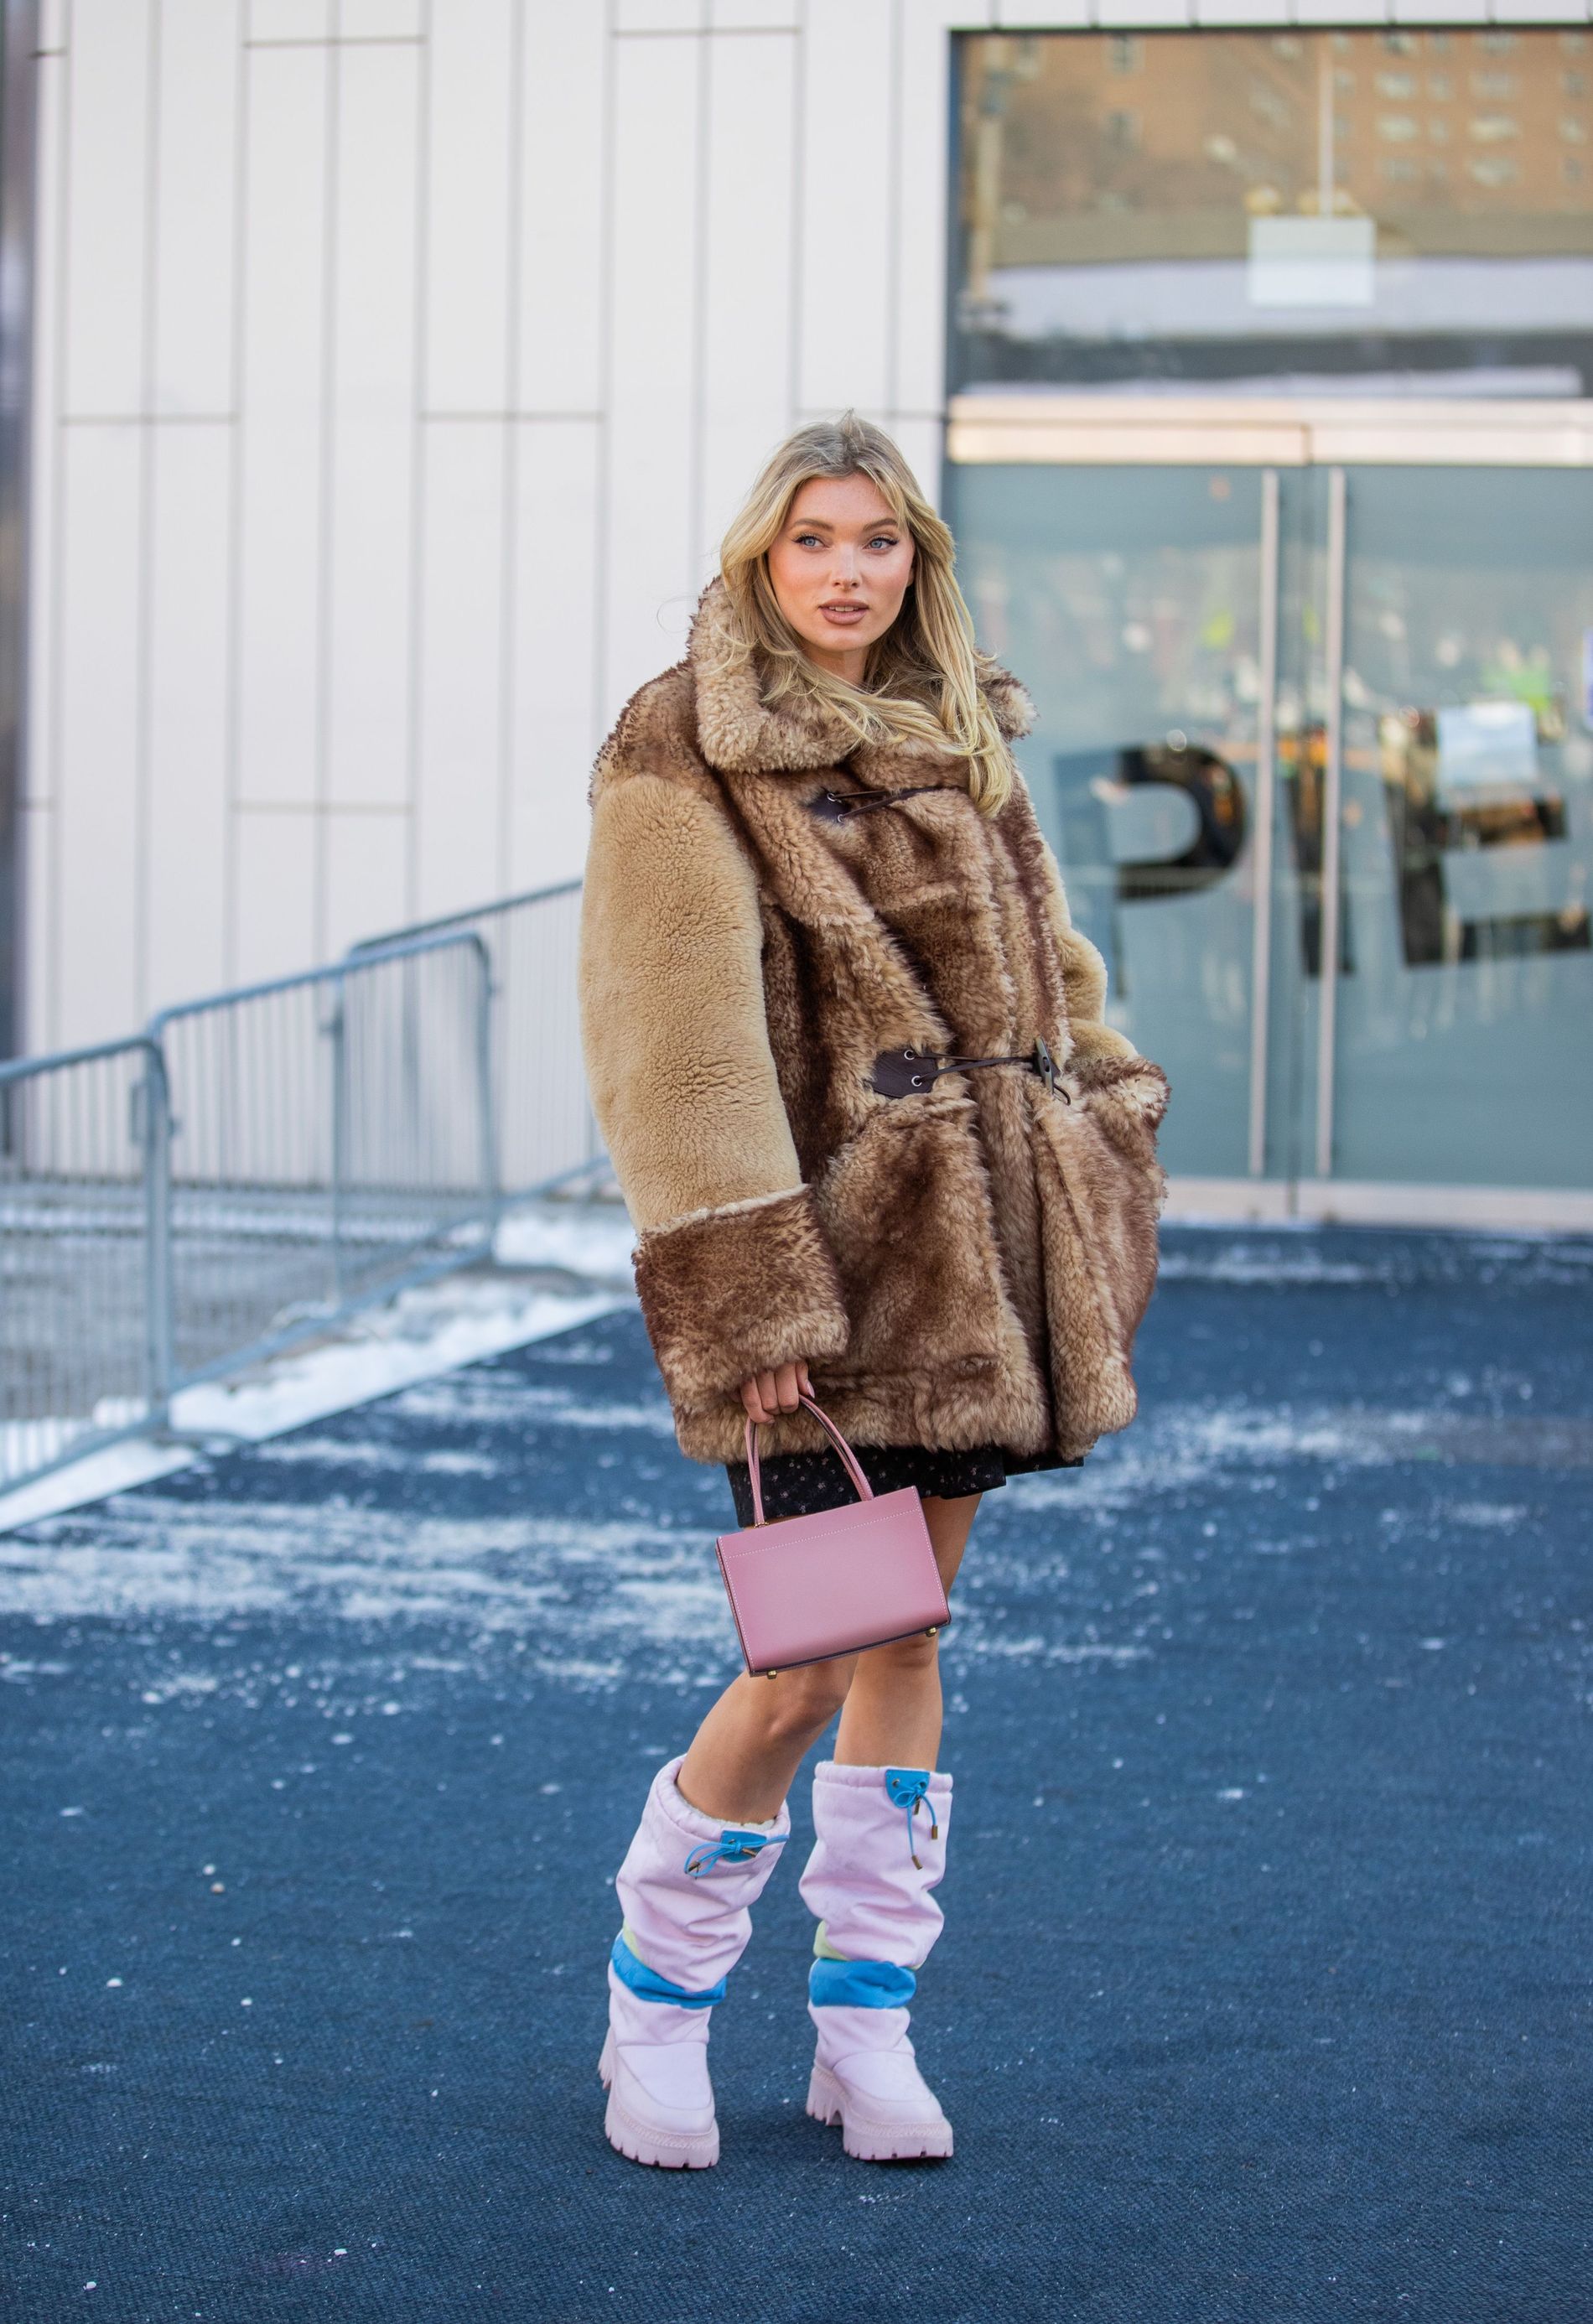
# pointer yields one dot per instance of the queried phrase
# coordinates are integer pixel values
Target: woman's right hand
(766, 1393)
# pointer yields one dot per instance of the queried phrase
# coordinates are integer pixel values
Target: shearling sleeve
(732, 1267)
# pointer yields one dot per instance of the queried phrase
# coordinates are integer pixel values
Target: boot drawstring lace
(908, 1788)
(729, 1847)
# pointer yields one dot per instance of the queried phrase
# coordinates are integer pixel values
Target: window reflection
(1302, 210)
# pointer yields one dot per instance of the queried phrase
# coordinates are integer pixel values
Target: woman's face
(840, 570)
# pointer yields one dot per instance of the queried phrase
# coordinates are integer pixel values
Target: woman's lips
(844, 617)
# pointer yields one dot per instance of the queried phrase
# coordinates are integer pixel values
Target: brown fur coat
(965, 1267)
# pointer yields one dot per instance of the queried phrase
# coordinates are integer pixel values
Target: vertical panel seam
(697, 435)
(418, 462)
(890, 304)
(59, 486)
(325, 454)
(798, 214)
(604, 495)
(144, 544)
(19, 183)
(233, 728)
(509, 493)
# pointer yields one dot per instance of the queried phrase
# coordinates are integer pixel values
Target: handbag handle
(849, 1460)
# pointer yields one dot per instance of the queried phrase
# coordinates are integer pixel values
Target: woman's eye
(807, 541)
(883, 540)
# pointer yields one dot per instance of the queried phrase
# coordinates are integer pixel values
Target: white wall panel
(459, 735)
(195, 172)
(106, 217)
(39, 856)
(746, 335)
(365, 875)
(1163, 14)
(40, 1009)
(554, 672)
(559, 312)
(368, 20)
(369, 645)
(53, 26)
(1041, 15)
(651, 502)
(45, 426)
(847, 196)
(186, 714)
(281, 580)
(272, 928)
(921, 442)
(472, 88)
(289, 20)
(917, 371)
(754, 15)
(1240, 13)
(101, 822)
(659, 15)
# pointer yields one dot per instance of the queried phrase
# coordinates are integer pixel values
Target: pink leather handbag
(834, 1581)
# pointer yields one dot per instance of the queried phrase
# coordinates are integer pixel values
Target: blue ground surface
(1264, 1996)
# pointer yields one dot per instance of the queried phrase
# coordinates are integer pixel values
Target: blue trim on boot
(860, 1985)
(647, 1985)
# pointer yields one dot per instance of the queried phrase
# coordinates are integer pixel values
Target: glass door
(1297, 714)
(1460, 1043)
(1140, 607)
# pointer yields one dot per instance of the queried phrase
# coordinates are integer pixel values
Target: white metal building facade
(396, 366)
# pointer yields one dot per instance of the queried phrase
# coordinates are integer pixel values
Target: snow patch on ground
(432, 1329)
(589, 1599)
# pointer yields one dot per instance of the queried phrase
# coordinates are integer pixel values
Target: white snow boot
(685, 1887)
(880, 1848)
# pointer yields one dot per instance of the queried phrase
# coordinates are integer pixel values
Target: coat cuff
(729, 1292)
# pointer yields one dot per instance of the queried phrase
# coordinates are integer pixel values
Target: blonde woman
(813, 858)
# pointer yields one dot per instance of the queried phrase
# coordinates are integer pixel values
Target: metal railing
(545, 1130)
(75, 1252)
(250, 1170)
(329, 1136)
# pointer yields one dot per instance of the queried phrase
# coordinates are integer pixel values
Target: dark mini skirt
(794, 1484)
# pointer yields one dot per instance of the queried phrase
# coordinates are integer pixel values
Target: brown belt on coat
(907, 1073)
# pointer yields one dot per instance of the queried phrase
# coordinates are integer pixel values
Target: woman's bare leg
(749, 1748)
(892, 1717)
(750, 1744)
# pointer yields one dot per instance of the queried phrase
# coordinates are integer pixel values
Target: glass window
(1218, 208)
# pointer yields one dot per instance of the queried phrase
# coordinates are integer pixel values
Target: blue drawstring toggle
(908, 1788)
(729, 1847)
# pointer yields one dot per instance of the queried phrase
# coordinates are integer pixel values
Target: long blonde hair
(922, 681)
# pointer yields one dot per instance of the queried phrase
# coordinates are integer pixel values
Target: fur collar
(739, 731)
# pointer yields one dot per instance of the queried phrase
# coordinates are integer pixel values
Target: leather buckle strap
(840, 807)
(908, 1072)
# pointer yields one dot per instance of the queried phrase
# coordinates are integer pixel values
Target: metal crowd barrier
(75, 1248)
(330, 1139)
(252, 1169)
(547, 1135)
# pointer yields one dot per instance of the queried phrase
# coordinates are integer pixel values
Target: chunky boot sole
(866, 2137)
(640, 2142)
